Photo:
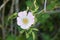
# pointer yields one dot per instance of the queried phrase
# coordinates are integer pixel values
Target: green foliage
(21, 37)
(47, 22)
(0, 38)
(33, 6)
(10, 37)
(51, 6)
(28, 33)
(13, 16)
(45, 36)
(42, 17)
(29, 3)
(13, 37)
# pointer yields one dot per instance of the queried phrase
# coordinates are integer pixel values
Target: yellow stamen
(25, 20)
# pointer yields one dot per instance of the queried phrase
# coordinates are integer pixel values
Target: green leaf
(29, 3)
(33, 34)
(19, 28)
(51, 6)
(30, 31)
(22, 31)
(12, 16)
(35, 29)
(27, 35)
(42, 17)
(30, 38)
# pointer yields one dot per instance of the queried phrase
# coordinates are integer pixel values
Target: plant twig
(3, 29)
(16, 5)
(17, 10)
(45, 5)
(11, 11)
(3, 4)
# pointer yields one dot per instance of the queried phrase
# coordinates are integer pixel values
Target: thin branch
(3, 4)
(3, 29)
(17, 10)
(41, 11)
(45, 2)
(11, 11)
(52, 12)
(16, 5)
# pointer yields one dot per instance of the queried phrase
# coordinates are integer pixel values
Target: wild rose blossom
(25, 20)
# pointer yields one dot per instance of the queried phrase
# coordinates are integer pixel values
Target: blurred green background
(48, 23)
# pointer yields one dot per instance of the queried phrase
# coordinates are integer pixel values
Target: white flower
(25, 20)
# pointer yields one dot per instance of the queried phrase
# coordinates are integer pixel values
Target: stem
(17, 10)
(3, 29)
(17, 5)
(45, 5)
(11, 11)
(3, 4)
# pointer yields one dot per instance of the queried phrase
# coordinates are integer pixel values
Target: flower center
(25, 20)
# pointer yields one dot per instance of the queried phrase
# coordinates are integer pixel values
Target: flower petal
(30, 15)
(19, 21)
(22, 14)
(25, 27)
(31, 18)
